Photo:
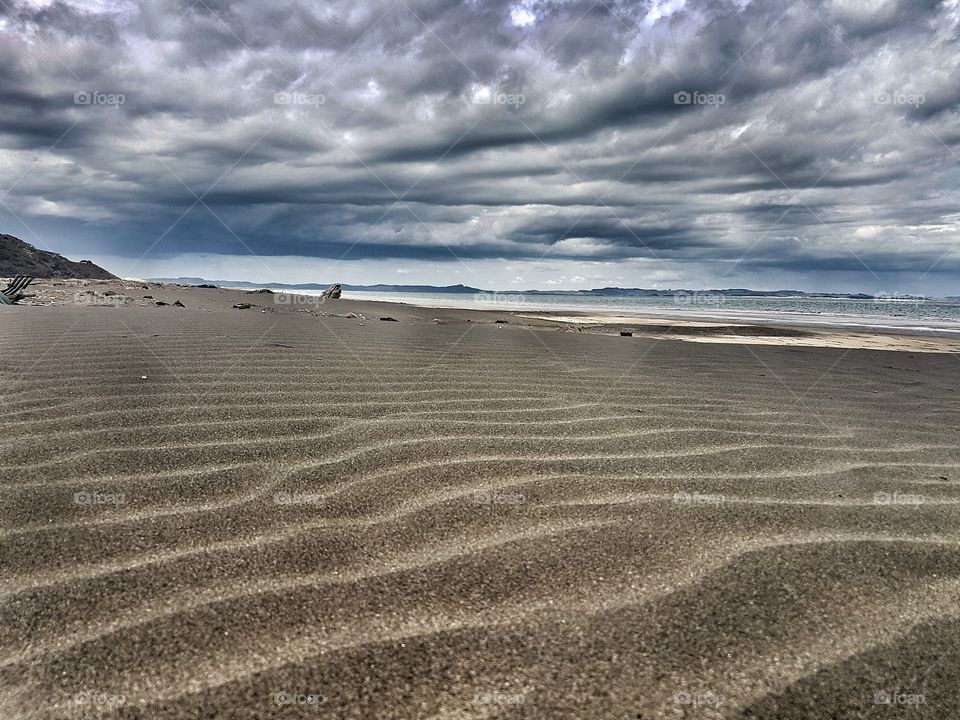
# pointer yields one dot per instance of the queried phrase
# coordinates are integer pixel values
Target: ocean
(892, 313)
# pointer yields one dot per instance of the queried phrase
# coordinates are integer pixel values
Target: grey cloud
(559, 137)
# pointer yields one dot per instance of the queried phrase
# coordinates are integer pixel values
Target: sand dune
(209, 512)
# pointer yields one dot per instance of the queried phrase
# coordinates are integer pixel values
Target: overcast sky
(509, 145)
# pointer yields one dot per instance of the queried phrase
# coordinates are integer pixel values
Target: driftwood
(14, 290)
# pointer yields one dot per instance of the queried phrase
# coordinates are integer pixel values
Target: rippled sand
(209, 512)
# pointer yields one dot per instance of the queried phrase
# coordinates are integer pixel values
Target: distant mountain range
(321, 286)
(18, 257)
(596, 292)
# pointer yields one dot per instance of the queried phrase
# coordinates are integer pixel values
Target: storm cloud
(810, 144)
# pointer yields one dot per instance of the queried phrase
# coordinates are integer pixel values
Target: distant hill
(322, 286)
(596, 292)
(21, 258)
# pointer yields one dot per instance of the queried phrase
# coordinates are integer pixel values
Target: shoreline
(705, 313)
(617, 315)
(664, 325)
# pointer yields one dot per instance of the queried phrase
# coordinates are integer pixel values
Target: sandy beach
(301, 509)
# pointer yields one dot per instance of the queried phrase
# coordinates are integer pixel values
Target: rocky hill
(21, 258)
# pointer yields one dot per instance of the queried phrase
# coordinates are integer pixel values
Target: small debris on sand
(242, 306)
(387, 318)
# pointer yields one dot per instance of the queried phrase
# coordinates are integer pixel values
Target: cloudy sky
(508, 145)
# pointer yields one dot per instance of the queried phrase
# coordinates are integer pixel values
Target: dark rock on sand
(178, 304)
(261, 291)
(388, 319)
(161, 302)
(333, 292)
(242, 306)
(500, 322)
(626, 333)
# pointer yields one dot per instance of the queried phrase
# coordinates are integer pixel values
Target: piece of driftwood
(14, 290)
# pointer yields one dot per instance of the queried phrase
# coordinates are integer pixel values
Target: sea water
(893, 313)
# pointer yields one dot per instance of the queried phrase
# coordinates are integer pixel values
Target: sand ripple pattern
(252, 515)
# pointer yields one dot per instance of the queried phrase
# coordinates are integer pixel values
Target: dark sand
(209, 512)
